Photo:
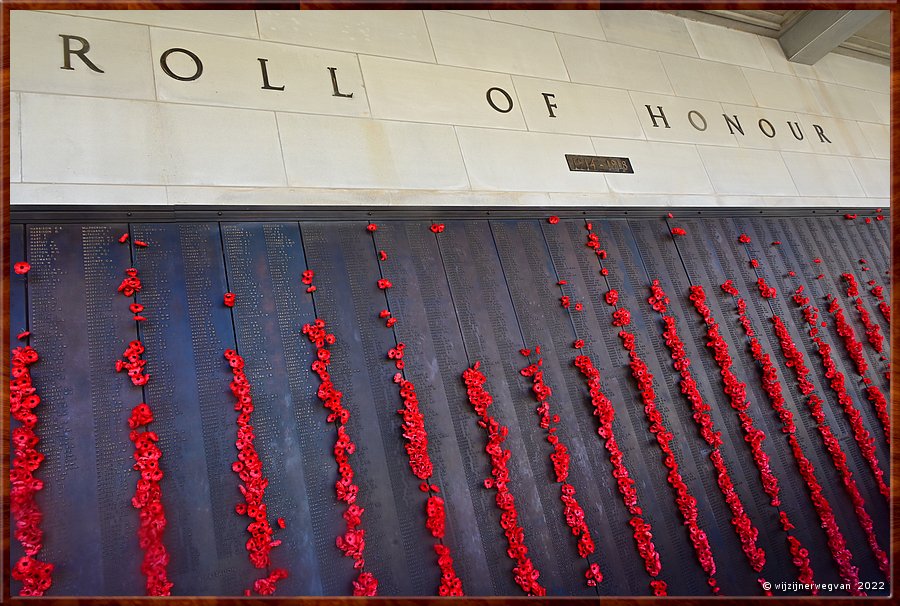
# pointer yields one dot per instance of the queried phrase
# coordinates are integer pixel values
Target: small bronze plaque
(599, 164)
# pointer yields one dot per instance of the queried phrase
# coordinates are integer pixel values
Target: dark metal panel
(679, 563)
(263, 263)
(187, 330)
(434, 358)
(815, 243)
(711, 252)
(848, 243)
(622, 566)
(531, 279)
(650, 240)
(797, 251)
(398, 546)
(491, 335)
(80, 325)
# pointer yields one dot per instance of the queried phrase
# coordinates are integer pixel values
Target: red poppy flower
(136, 308)
(371, 227)
(820, 276)
(525, 352)
(311, 289)
(612, 296)
(792, 274)
(561, 283)
(228, 299)
(280, 522)
(22, 268)
(437, 228)
(621, 317)
(744, 239)
(307, 276)
(849, 216)
(552, 219)
(384, 284)
(390, 322)
(678, 231)
(382, 255)
(776, 243)
(868, 220)
(754, 263)
(604, 272)
(579, 307)
(670, 215)
(23, 334)
(140, 318)
(578, 344)
(140, 243)
(879, 218)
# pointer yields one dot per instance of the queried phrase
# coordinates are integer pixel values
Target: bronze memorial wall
(665, 476)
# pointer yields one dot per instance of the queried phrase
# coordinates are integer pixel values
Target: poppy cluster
(572, 511)
(248, 468)
(854, 349)
(621, 317)
(148, 500)
(451, 585)
(744, 239)
(419, 460)
(384, 314)
(384, 284)
(772, 386)
(352, 543)
(878, 292)
(34, 574)
(525, 574)
(686, 503)
(612, 296)
(267, 584)
(307, 280)
(136, 309)
(133, 363)
(836, 380)
(794, 359)
(873, 330)
(766, 291)
(131, 284)
(643, 535)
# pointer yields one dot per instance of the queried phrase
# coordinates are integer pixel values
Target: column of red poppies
(877, 291)
(873, 330)
(148, 494)
(854, 350)
(794, 359)
(836, 380)
(249, 469)
(684, 500)
(743, 526)
(772, 386)
(352, 543)
(34, 574)
(642, 531)
(572, 511)
(737, 397)
(417, 443)
(525, 573)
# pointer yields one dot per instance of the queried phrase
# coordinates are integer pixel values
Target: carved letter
(265, 75)
(821, 134)
(82, 53)
(736, 124)
(165, 66)
(334, 85)
(694, 124)
(505, 94)
(550, 106)
(798, 134)
(772, 128)
(661, 114)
